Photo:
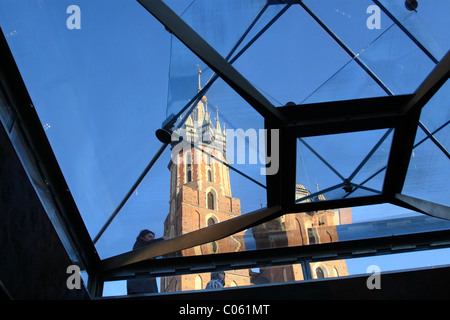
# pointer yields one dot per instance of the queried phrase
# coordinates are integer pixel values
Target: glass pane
(342, 165)
(288, 68)
(349, 82)
(399, 261)
(424, 23)
(344, 224)
(427, 172)
(230, 40)
(97, 88)
(211, 20)
(398, 62)
(146, 208)
(376, 41)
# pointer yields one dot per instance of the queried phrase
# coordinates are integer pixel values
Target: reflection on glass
(200, 187)
(349, 82)
(386, 51)
(254, 276)
(241, 277)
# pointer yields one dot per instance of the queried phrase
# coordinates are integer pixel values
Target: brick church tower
(200, 195)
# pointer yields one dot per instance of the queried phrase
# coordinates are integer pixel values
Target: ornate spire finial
(199, 77)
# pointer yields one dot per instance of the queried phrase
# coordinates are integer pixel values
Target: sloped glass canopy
(347, 99)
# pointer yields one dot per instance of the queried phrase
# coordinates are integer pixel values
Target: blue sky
(104, 89)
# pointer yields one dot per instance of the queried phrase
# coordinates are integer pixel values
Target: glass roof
(102, 91)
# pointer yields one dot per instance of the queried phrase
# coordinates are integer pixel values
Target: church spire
(217, 121)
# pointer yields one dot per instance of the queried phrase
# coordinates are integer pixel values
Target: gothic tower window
(336, 272)
(188, 167)
(209, 176)
(313, 237)
(210, 222)
(319, 273)
(210, 200)
(212, 246)
(189, 174)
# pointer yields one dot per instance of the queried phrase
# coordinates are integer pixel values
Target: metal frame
(400, 113)
(282, 256)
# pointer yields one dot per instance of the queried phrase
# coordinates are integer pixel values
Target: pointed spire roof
(217, 121)
(199, 73)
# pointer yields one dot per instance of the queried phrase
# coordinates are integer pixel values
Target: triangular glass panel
(349, 82)
(352, 160)
(377, 42)
(429, 166)
(288, 68)
(371, 174)
(423, 23)
(221, 23)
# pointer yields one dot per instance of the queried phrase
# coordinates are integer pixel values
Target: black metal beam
(400, 154)
(283, 255)
(416, 284)
(321, 119)
(427, 207)
(344, 116)
(337, 203)
(192, 239)
(281, 184)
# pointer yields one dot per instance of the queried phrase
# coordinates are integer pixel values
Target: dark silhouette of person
(217, 280)
(144, 285)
